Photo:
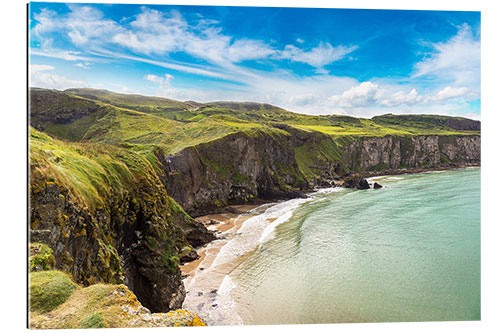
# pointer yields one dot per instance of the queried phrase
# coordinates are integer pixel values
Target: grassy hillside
(143, 123)
(116, 118)
(57, 302)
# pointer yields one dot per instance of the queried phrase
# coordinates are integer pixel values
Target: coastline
(207, 289)
(222, 224)
(227, 225)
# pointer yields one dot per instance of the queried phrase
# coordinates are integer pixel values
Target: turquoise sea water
(407, 252)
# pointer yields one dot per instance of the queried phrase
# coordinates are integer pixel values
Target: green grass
(174, 125)
(101, 306)
(93, 320)
(90, 171)
(48, 290)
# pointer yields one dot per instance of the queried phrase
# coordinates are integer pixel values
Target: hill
(107, 117)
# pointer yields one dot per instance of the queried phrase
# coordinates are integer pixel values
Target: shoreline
(207, 289)
(229, 219)
(222, 224)
(225, 225)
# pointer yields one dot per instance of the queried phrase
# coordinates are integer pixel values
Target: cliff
(239, 168)
(425, 151)
(114, 186)
(234, 169)
(107, 217)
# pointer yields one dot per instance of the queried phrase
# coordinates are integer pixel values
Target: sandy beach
(223, 224)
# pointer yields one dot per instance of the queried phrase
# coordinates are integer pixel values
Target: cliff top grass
(174, 125)
(97, 306)
(90, 171)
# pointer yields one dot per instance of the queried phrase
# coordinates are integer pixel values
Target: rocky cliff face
(376, 154)
(133, 240)
(135, 235)
(233, 169)
(239, 167)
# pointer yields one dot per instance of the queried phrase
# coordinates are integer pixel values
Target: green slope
(107, 117)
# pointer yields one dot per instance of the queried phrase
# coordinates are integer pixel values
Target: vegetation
(90, 171)
(48, 290)
(97, 306)
(41, 257)
(108, 117)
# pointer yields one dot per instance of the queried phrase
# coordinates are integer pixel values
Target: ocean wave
(225, 313)
(256, 230)
(327, 190)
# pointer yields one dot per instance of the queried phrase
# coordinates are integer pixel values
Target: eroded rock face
(357, 182)
(233, 169)
(390, 152)
(134, 239)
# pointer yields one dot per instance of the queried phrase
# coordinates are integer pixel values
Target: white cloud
(319, 56)
(365, 94)
(457, 60)
(40, 79)
(163, 81)
(450, 93)
(65, 55)
(39, 68)
(401, 97)
(85, 65)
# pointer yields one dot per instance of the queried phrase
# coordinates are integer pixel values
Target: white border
(13, 130)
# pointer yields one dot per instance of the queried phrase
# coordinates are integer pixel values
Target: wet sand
(225, 224)
(201, 280)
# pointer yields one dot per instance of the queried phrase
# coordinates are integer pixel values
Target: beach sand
(225, 224)
(201, 281)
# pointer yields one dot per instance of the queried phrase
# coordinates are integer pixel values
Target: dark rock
(356, 181)
(190, 256)
(377, 185)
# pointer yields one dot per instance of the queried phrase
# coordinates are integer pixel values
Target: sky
(309, 60)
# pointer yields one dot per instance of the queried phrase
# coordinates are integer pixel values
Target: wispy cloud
(152, 32)
(319, 56)
(457, 60)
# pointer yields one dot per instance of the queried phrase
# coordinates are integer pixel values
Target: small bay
(407, 252)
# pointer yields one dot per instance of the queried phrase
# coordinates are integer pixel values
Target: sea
(407, 252)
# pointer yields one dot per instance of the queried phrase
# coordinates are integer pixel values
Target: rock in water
(377, 185)
(356, 181)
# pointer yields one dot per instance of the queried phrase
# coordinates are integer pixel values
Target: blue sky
(315, 61)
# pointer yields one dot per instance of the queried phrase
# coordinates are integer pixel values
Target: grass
(90, 171)
(93, 320)
(174, 125)
(48, 290)
(101, 306)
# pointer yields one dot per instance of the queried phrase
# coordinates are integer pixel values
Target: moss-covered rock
(107, 306)
(41, 257)
(105, 212)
